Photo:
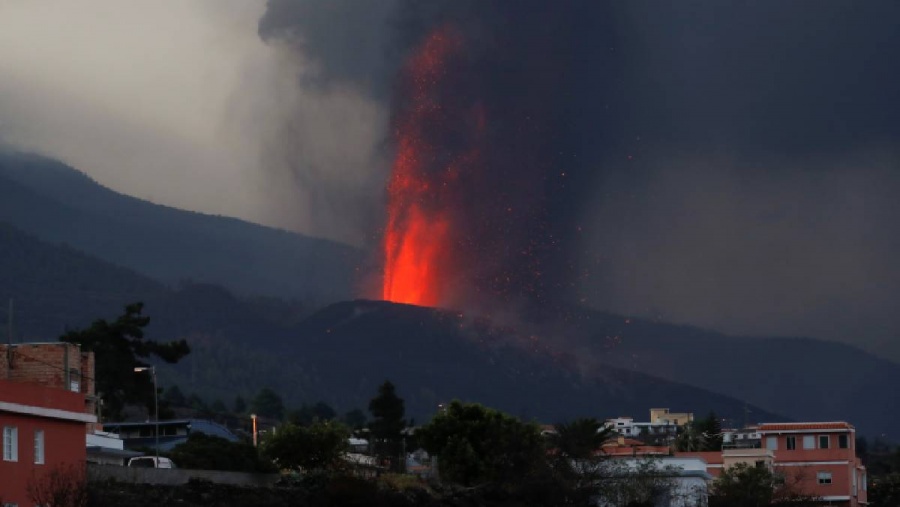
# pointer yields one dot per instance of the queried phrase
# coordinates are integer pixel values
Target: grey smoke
(735, 163)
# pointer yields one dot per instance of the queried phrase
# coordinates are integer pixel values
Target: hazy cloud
(180, 103)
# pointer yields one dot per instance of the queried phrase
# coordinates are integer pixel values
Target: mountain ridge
(57, 203)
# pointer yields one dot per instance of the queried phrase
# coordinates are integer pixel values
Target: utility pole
(152, 370)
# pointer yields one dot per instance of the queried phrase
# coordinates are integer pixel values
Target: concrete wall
(176, 476)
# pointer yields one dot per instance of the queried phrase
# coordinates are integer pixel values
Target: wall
(176, 476)
(64, 440)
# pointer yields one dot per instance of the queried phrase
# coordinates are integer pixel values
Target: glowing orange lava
(418, 238)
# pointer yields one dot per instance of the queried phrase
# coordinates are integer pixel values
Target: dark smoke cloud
(643, 144)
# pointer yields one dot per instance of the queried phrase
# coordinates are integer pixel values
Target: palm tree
(581, 438)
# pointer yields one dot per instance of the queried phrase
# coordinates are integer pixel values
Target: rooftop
(801, 426)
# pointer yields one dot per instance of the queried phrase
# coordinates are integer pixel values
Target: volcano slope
(435, 356)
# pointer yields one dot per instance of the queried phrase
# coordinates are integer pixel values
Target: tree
(218, 407)
(318, 446)
(118, 348)
(196, 403)
(323, 411)
(627, 483)
(475, 444)
(744, 485)
(355, 418)
(690, 439)
(581, 438)
(711, 429)
(387, 413)
(206, 452)
(63, 485)
(884, 491)
(267, 403)
(302, 416)
(174, 396)
(307, 414)
(240, 406)
(387, 426)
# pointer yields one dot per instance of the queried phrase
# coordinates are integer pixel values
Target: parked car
(150, 462)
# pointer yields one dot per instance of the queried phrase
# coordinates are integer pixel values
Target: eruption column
(419, 235)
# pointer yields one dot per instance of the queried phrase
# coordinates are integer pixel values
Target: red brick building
(55, 364)
(47, 407)
(42, 427)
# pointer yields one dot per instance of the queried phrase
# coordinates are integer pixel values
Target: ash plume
(606, 130)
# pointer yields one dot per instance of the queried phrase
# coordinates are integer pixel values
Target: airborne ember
(421, 234)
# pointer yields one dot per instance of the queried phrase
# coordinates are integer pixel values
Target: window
(843, 441)
(823, 441)
(10, 443)
(39, 447)
(824, 477)
(809, 442)
(791, 443)
(772, 443)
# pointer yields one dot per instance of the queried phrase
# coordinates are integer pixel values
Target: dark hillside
(58, 204)
(563, 365)
(434, 356)
(339, 354)
(802, 378)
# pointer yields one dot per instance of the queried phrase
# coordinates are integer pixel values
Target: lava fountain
(421, 235)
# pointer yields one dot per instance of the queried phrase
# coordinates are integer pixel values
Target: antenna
(9, 335)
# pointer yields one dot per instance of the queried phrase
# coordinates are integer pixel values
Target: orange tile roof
(805, 426)
(626, 442)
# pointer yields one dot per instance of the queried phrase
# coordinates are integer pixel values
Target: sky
(733, 165)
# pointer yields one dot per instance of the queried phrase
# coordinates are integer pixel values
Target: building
(663, 416)
(744, 437)
(57, 365)
(816, 458)
(142, 435)
(623, 447)
(686, 480)
(820, 458)
(105, 448)
(663, 424)
(43, 428)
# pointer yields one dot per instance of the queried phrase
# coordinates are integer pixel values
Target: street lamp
(152, 370)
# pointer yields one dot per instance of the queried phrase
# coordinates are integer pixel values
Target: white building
(686, 480)
(662, 422)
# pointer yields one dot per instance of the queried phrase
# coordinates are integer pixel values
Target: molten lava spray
(420, 233)
(489, 110)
